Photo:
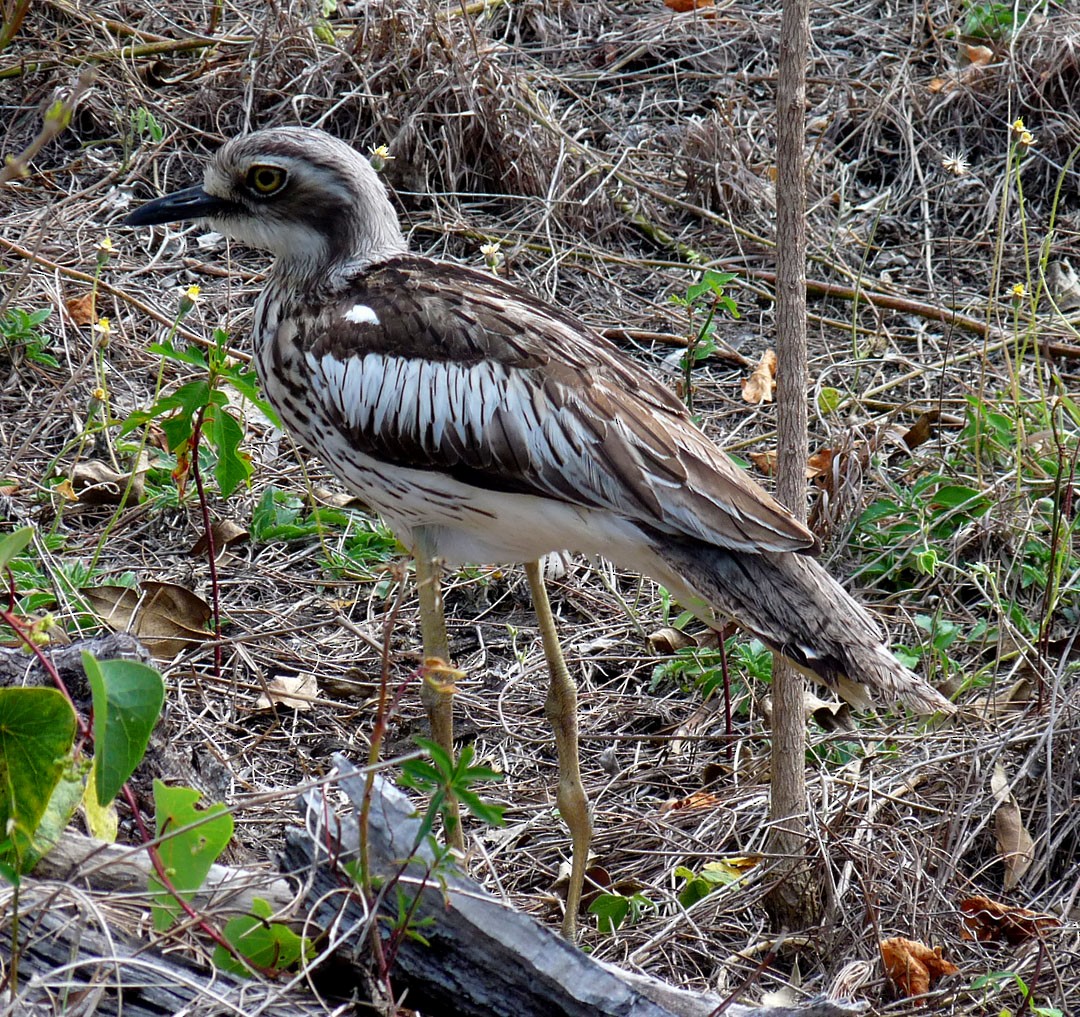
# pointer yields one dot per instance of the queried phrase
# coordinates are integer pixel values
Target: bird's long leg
(439, 704)
(561, 710)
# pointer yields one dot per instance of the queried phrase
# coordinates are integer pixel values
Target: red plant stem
(211, 550)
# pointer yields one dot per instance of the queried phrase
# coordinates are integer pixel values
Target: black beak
(193, 203)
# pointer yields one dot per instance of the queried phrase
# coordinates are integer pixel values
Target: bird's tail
(794, 606)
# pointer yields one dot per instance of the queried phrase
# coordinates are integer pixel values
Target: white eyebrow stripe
(361, 314)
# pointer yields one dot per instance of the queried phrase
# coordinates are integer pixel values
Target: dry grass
(549, 127)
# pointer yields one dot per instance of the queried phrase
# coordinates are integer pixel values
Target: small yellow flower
(1020, 134)
(104, 329)
(104, 251)
(189, 299)
(380, 156)
(100, 394)
(492, 255)
(1018, 291)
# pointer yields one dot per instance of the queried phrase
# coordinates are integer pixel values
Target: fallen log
(478, 957)
(85, 945)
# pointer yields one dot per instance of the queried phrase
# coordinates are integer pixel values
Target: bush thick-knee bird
(489, 426)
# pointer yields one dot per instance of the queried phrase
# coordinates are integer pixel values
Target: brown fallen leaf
(830, 716)
(764, 461)
(64, 490)
(666, 641)
(1014, 843)
(692, 802)
(338, 499)
(912, 966)
(818, 465)
(986, 920)
(97, 483)
(226, 533)
(82, 310)
(295, 691)
(759, 387)
(682, 6)
(977, 55)
(167, 618)
(921, 430)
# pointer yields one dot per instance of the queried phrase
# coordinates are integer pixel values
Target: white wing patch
(416, 397)
(361, 314)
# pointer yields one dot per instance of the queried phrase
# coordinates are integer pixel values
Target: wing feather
(460, 373)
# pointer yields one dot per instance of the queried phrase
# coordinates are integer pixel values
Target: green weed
(21, 338)
(703, 300)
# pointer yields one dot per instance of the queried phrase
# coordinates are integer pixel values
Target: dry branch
(478, 957)
(477, 950)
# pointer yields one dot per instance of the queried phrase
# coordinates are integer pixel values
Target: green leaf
(128, 696)
(711, 283)
(269, 946)
(192, 355)
(63, 802)
(926, 561)
(829, 400)
(36, 730)
(12, 545)
(611, 909)
(187, 854)
(233, 467)
(102, 819)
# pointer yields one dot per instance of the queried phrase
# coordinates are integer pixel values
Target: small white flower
(955, 164)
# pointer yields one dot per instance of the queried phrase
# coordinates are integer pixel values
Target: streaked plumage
(493, 427)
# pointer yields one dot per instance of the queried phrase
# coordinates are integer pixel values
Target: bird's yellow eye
(266, 180)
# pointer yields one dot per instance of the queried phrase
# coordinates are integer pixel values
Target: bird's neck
(349, 249)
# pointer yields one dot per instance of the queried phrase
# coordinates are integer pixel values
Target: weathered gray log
(479, 957)
(70, 964)
(17, 667)
(88, 863)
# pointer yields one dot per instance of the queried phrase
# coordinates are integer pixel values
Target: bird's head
(306, 197)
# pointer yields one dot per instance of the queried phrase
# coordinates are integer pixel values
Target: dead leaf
(337, 499)
(666, 641)
(765, 461)
(597, 881)
(683, 6)
(1064, 284)
(692, 803)
(986, 920)
(166, 617)
(82, 310)
(97, 483)
(1014, 843)
(6, 490)
(295, 691)
(919, 433)
(759, 387)
(978, 55)
(818, 465)
(832, 716)
(912, 966)
(65, 490)
(226, 533)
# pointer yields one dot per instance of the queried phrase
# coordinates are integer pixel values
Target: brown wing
(435, 366)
